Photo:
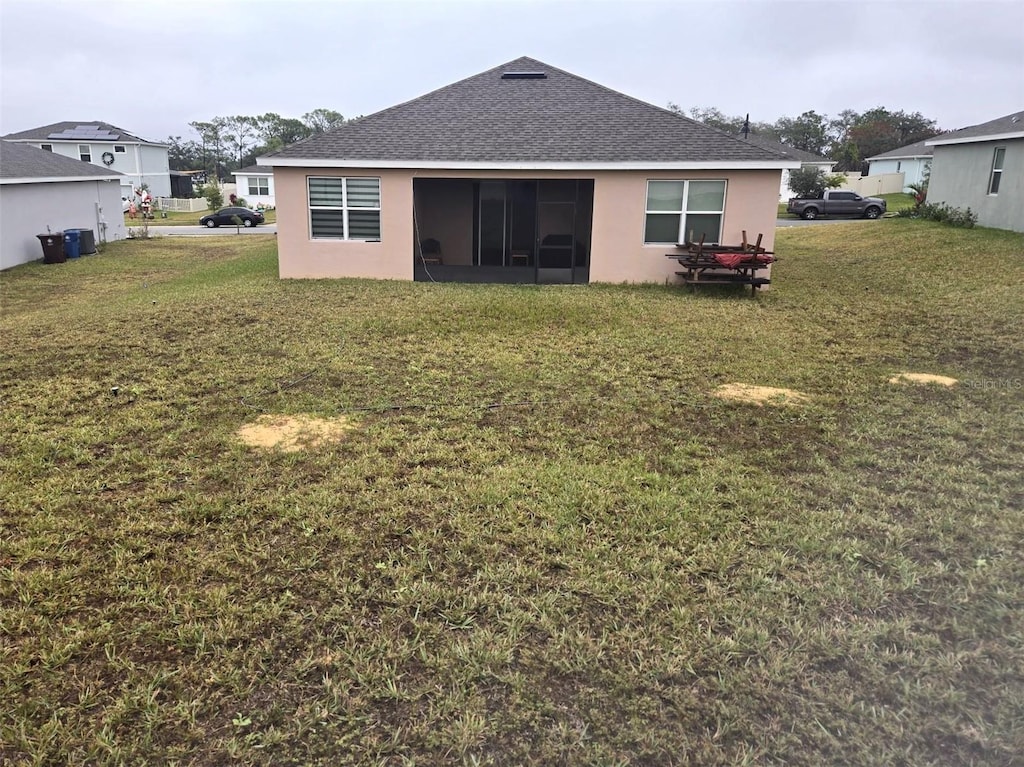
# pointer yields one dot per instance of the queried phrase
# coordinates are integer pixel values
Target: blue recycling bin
(71, 243)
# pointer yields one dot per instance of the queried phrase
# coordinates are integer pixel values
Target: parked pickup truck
(837, 202)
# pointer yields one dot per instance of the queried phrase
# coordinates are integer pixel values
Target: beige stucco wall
(617, 250)
(301, 256)
(618, 253)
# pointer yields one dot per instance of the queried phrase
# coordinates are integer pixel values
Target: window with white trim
(47, 147)
(119, 149)
(84, 153)
(344, 208)
(998, 155)
(682, 211)
(258, 185)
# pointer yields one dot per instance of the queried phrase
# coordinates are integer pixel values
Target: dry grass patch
(760, 395)
(620, 569)
(922, 378)
(292, 433)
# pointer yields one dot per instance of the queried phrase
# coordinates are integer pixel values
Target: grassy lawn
(542, 541)
(175, 218)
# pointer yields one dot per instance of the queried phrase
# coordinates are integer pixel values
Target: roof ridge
(647, 104)
(563, 117)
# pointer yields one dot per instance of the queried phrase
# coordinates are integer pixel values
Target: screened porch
(502, 230)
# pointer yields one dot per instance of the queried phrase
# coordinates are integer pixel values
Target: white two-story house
(106, 146)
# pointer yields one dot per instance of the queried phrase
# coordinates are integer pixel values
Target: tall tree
(879, 130)
(184, 155)
(809, 132)
(211, 136)
(276, 131)
(239, 132)
(322, 120)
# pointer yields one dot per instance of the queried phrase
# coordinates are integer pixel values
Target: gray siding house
(42, 191)
(982, 168)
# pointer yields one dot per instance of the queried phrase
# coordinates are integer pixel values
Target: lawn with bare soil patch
(538, 537)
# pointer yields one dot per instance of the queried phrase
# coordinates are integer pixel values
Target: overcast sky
(151, 67)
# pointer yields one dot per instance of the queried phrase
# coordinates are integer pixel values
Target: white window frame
(683, 213)
(46, 147)
(261, 184)
(996, 175)
(119, 149)
(344, 207)
(85, 156)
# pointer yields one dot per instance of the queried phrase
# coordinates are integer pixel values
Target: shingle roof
(30, 162)
(917, 149)
(42, 133)
(558, 118)
(252, 170)
(1001, 126)
(790, 151)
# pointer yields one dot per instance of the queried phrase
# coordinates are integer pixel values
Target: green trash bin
(53, 247)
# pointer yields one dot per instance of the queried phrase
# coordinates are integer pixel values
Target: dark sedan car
(226, 216)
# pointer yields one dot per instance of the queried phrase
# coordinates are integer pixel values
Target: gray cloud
(153, 67)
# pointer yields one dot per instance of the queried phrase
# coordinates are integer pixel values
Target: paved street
(202, 231)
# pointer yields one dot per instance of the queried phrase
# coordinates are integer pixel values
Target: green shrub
(810, 182)
(213, 196)
(943, 213)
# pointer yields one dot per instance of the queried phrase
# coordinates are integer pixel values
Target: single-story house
(806, 159)
(42, 192)
(106, 146)
(522, 173)
(982, 168)
(914, 161)
(256, 185)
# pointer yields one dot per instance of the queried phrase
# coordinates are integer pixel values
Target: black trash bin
(53, 247)
(86, 241)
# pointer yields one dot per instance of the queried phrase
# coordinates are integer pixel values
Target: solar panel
(85, 132)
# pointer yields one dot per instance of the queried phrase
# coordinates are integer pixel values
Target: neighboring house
(106, 146)
(42, 191)
(982, 168)
(523, 173)
(805, 158)
(256, 185)
(913, 161)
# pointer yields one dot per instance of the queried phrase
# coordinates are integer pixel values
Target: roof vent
(524, 75)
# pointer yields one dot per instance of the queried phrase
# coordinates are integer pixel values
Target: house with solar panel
(106, 146)
(523, 173)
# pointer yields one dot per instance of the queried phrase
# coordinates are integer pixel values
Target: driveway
(202, 231)
(815, 221)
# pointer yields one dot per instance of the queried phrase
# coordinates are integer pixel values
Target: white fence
(872, 186)
(180, 205)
